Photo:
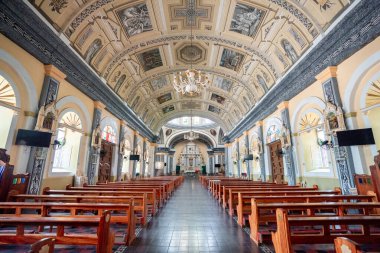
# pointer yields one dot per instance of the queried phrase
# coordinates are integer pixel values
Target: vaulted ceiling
(244, 47)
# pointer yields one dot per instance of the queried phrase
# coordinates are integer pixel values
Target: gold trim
(30, 114)
(327, 73)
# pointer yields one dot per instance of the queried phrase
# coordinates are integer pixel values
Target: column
(238, 158)
(143, 160)
(287, 145)
(134, 150)
(46, 121)
(246, 143)
(93, 162)
(261, 144)
(120, 162)
(343, 156)
(226, 160)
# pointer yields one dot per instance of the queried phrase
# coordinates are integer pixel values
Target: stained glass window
(109, 134)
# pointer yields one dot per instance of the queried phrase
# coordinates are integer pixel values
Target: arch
(177, 114)
(356, 77)
(65, 159)
(179, 136)
(83, 112)
(109, 121)
(70, 118)
(30, 97)
(273, 121)
(300, 106)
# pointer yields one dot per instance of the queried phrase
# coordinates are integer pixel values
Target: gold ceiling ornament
(192, 81)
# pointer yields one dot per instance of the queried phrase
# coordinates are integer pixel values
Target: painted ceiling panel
(243, 46)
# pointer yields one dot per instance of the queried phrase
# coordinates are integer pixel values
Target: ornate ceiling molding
(20, 24)
(359, 27)
(251, 51)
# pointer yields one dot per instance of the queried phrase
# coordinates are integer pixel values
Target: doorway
(277, 162)
(105, 161)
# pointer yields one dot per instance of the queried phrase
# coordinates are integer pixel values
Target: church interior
(189, 126)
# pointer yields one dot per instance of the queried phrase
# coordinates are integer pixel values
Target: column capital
(54, 72)
(123, 123)
(99, 105)
(260, 123)
(227, 145)
(136, 133)
(283, 105)
(246, 133)
(326, 74)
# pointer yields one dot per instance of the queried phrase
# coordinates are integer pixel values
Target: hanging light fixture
(192, 81)
(191, 136)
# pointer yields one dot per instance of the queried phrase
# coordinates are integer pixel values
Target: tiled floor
(192, 221)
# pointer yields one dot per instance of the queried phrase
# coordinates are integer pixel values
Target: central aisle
(192, 221)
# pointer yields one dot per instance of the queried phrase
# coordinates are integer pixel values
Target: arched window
(109, 134)
(315, 157)
(126, 151)
(68, 140)
(7, 109)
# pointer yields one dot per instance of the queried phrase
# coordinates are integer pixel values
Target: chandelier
(192, 81)
(191, 136)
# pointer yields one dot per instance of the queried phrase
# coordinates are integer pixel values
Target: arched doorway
(106, 153)
(275, 153)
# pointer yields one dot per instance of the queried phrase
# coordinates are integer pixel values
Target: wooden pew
(147, 196)
(151, 196)
(343, 245)
(75, 210)
(45, 245)
(284, 240)
(140, 208)
(161, 189)
(103, 240)
(158, 196)
(265, 213)
(230, 195)
(225, 186)
(242, 204)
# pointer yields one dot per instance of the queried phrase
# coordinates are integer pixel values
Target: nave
(192, 221)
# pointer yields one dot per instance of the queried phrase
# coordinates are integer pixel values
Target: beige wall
(360, 69)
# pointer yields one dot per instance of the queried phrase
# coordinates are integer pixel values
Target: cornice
(21, 25)
(358, 28)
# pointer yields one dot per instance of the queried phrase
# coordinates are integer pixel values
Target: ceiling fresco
(243, 46)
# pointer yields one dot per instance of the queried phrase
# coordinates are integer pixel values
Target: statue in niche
(96, 137)
(289, 50)
(119, 82)
(262, 82)
(92, 50)
(285, 137)
(47, 118)
(334, 118)
(257, 146)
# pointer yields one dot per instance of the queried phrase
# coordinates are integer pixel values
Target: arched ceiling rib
(245, 46)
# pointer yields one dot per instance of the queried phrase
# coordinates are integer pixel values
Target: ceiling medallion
(192, 81)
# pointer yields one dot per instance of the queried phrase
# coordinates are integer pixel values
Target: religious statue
(285, 137)
(96, 135)
(289, 50)
(47, 118)
(334, 118)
